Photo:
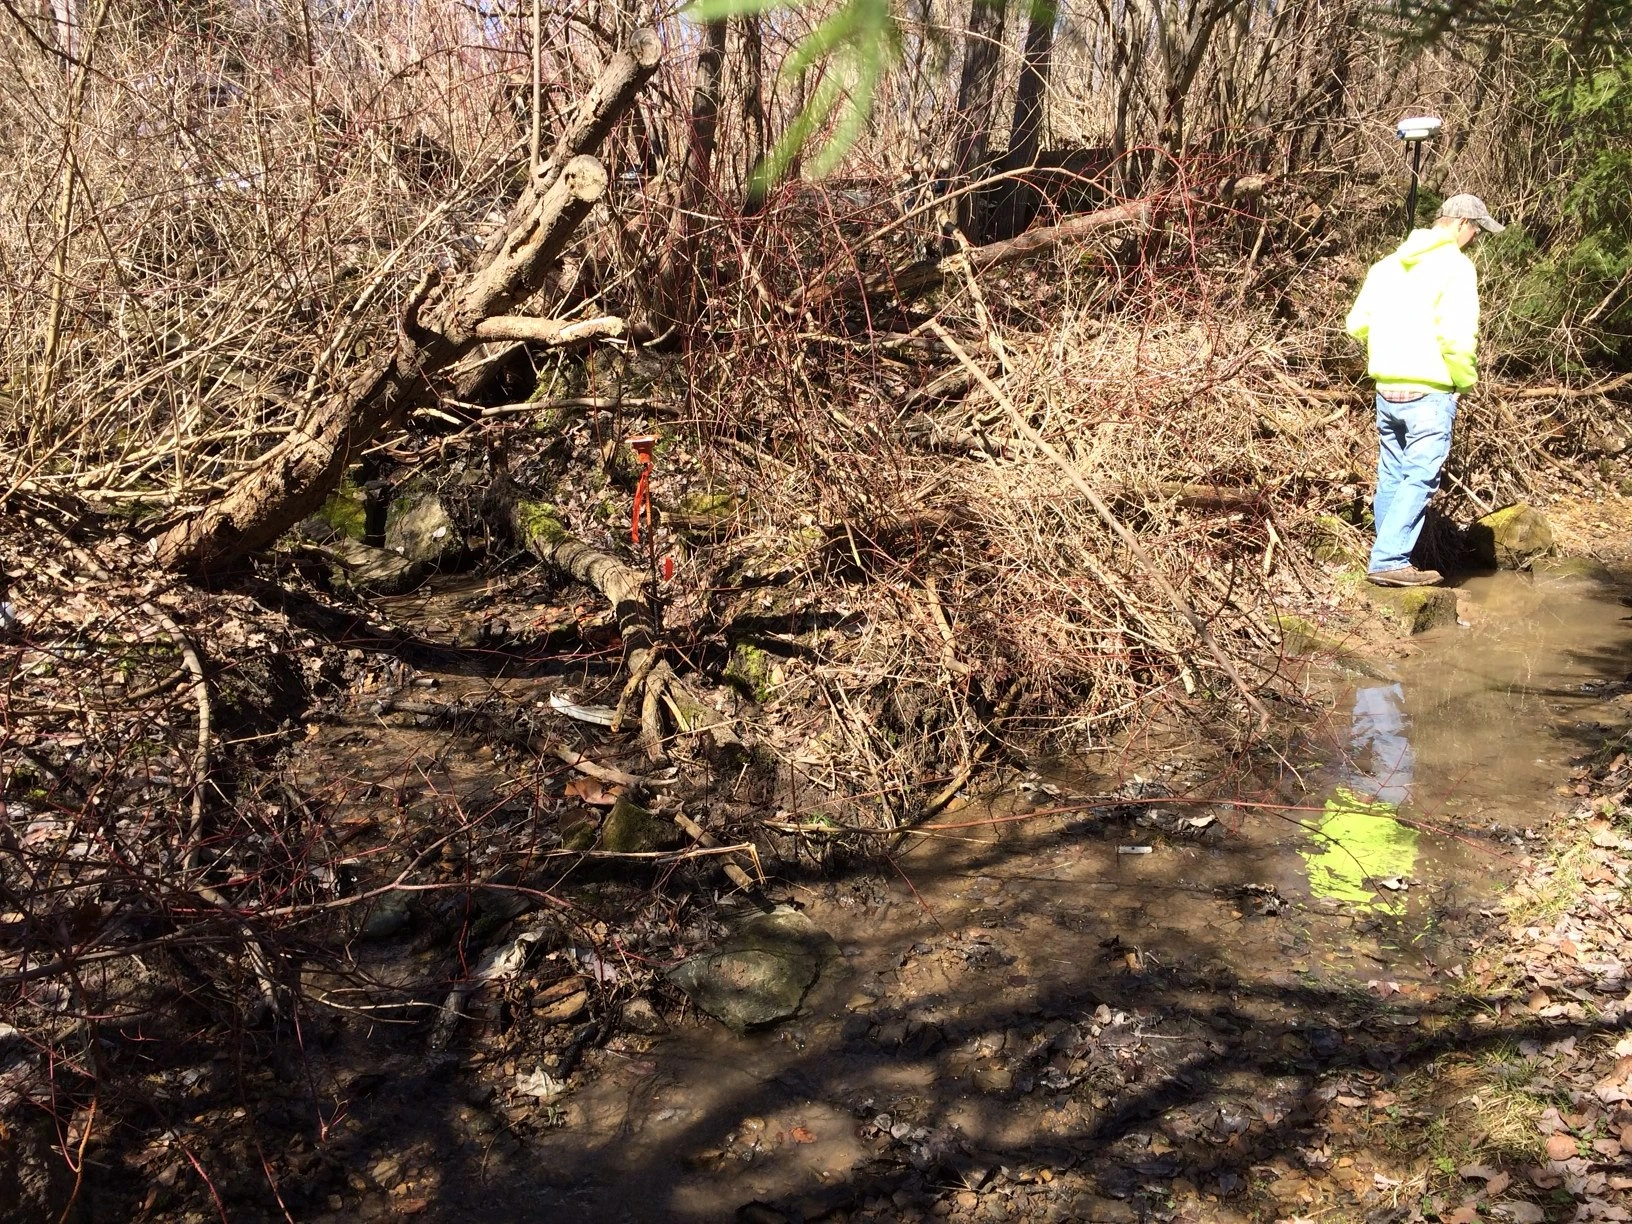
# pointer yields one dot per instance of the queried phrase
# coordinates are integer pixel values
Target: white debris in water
(598, 969)
(601, 716)
(541, 1084)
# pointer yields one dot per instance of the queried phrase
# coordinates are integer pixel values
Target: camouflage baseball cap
(1471, 208)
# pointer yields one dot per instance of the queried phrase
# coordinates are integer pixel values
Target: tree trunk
(674, 297)
(753, 108)
(976, 90)
(1184, 34)
(295, 476)
(1020, 198)
(1127, 33)
(705, 117)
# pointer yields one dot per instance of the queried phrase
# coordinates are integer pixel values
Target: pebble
(1109, 1211)
(640, 1016)
(563, 1010)
(994, 1079)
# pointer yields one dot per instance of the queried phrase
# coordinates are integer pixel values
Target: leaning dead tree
(440, 323)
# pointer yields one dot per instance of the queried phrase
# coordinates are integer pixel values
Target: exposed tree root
(650, 678)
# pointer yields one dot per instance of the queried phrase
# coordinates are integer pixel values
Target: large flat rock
(762, 973)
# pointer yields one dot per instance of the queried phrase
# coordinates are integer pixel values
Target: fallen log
(927, 274)
(708, 841)
(295, 476)
(550, 331)
(1602, 387)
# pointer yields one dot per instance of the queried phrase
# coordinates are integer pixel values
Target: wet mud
(1150, 983)
(1135, 1007)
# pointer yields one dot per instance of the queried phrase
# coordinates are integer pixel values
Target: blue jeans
(1413, 441)
(1381, 762)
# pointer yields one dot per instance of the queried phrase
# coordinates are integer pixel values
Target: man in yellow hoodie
(1418, 316)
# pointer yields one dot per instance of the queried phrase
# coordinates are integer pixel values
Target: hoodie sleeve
(1358, 324)
(1457, 320)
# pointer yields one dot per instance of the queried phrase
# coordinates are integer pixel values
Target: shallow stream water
(1117, 988)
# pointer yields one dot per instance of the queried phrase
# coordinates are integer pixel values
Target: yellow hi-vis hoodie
(1418, 316)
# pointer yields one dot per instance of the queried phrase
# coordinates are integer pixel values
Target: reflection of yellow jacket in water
(1359, 843)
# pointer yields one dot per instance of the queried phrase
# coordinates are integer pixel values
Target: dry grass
(202, 234)
(206, 228)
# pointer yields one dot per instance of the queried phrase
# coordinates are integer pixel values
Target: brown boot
(1405, 576)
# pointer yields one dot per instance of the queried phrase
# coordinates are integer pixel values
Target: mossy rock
(1356, 513)
(1298, 636)
(579, 835)
(1414, 609)
(1511, 538)
(419, 528)
(709, 504)
(627, 829)
(342, 516)
(631, 829)
(751, 670)
(1334, 539)
(552, 384)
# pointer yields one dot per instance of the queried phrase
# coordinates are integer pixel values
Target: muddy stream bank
(1129, 986)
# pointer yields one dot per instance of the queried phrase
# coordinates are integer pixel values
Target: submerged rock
(762, 973)
(1573, 571)
(1300, 637)
(1511, 538)
(1414, 609)
(390, 916)
(374, 569)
